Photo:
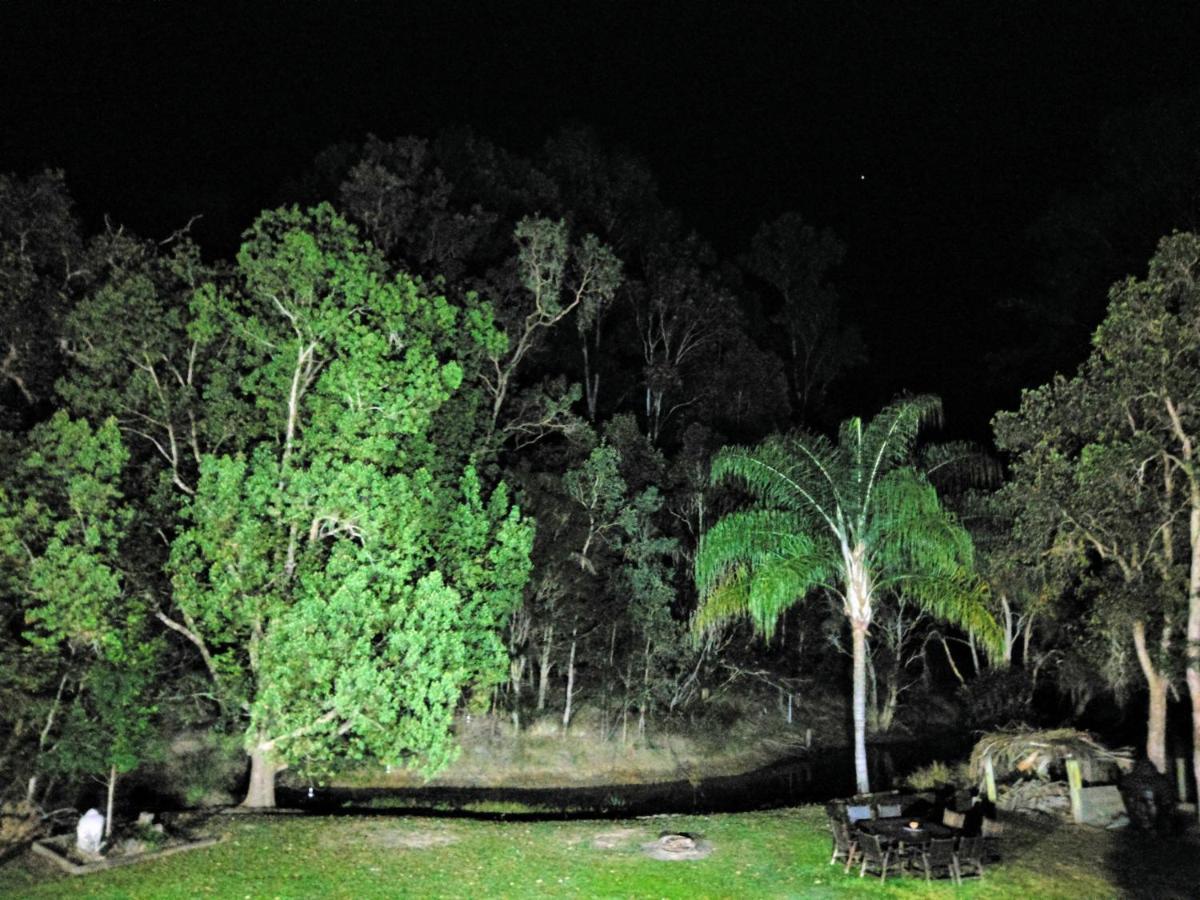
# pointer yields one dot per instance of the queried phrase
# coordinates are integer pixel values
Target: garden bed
(62, 852)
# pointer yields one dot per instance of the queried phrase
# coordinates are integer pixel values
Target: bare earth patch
(615, 839)
(408, 839)
(370, 834)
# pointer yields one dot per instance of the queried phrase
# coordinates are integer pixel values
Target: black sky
(929, 135)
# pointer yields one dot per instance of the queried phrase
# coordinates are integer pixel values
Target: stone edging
(47, 849)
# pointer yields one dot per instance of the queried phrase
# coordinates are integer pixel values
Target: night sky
(930, 136)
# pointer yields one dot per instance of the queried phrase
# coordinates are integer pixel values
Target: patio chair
(858, 813)
(936, 856)
(845, 843)
(991, 831)
(970, 854)
(952, 819)
(875, 855)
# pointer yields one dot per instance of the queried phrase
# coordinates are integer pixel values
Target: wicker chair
(970, 854)
(845, 843)
(874, 855)
(936, 856)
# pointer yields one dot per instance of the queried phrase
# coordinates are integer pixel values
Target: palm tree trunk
(858, 632)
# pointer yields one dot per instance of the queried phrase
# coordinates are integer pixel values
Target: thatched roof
(1024, 752)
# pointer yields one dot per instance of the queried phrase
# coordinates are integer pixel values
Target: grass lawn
(782, 853)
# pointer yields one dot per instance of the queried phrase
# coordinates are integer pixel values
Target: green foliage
(62, 519)
(1101, 463)
(939, 774)
(63, 522)
(347, 575)
(111, 721)
(820, 510)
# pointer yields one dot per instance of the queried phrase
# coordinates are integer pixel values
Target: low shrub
(939, 774)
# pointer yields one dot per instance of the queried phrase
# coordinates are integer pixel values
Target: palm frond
(958, 465)
(776, 585)
(785, 472)
(910, 528)
(920, 549)
(889, 438)
(757, 563)
(750, 538)
(725, 601)
(960, 599)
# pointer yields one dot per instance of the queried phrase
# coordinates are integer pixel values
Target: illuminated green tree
(345, 577)
(77, 639)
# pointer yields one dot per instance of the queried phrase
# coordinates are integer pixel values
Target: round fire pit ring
(672, 845)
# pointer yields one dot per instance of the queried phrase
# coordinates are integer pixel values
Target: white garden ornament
(90, 831)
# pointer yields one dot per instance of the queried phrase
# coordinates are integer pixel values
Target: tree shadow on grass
(1163, 867)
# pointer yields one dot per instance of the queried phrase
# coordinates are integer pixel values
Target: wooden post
(1075, 786)
(1181, 780)
(807, 738)
(989, 779)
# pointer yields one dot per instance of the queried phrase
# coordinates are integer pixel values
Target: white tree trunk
(858, 633)
(1010, 630)
(43, 738)
(570, 684)
(112, 792)
(858, 610)
(1193, 632)
(544, 666)
(1156, 686)
(260, 793)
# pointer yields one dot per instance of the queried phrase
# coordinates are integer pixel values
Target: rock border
(50, 849)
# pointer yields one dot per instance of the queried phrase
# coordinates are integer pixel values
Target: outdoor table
(896, 833)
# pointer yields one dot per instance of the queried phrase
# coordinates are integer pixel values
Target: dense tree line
(458, 428)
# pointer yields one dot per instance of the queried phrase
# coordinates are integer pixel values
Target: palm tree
(855, 518)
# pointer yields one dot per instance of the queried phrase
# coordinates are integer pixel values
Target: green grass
(772, 854)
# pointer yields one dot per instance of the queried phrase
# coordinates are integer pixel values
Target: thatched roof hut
(1019, 752)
